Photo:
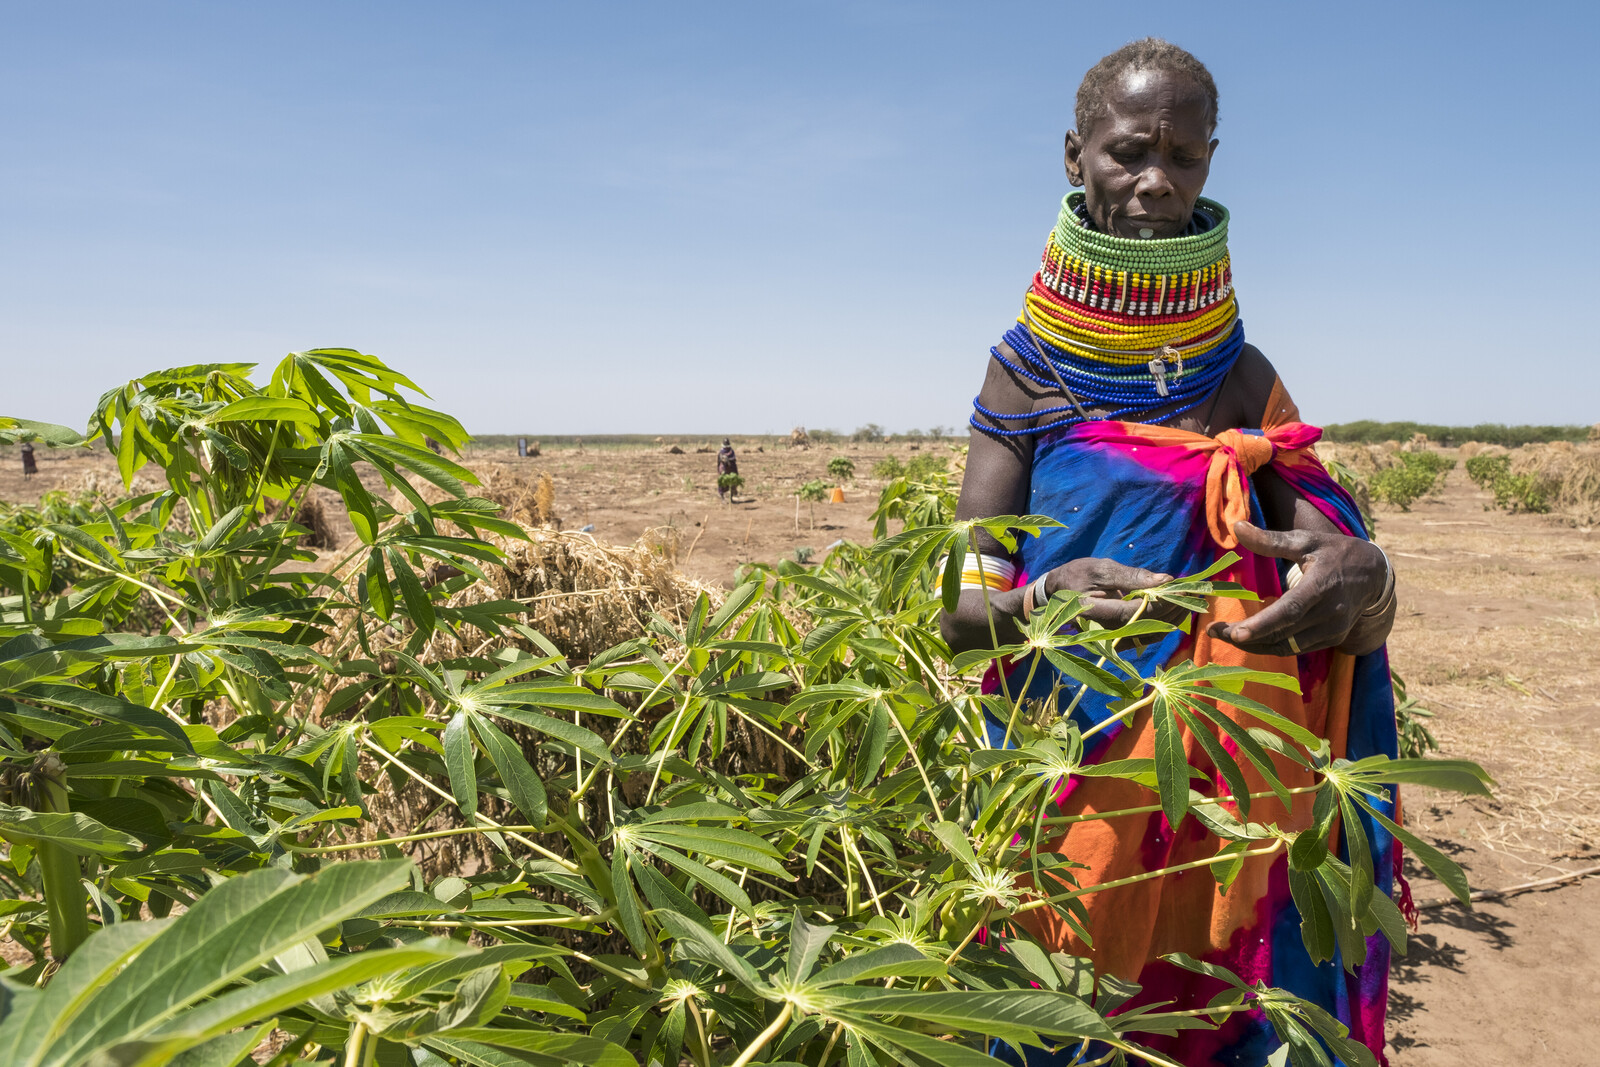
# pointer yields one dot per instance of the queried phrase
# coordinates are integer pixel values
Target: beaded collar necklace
(1131, 326)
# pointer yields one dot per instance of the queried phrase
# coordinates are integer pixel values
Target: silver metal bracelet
(1033, 598)
(1382, 604)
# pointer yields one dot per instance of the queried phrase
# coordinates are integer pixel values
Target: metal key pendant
(1158, 371)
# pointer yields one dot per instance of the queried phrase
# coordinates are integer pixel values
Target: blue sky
(737, 217)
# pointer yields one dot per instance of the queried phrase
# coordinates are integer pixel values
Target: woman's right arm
(997, 482)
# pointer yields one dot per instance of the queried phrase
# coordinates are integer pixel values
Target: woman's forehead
(1142, 95)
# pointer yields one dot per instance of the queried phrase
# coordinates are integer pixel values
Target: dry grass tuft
(1569, 475)
(106, 486)
(528, 497)
(586, 596)
(317, 517)
(1363, 460)
(1478, 448)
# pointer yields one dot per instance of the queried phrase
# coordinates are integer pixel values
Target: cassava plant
(194, 711)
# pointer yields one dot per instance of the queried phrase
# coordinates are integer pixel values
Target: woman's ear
(1074, 158)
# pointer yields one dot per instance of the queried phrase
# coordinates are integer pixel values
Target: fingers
(1302, 614)
(1293, 545)
(1313, 638)
(1119, 578)
(1272, 626)
(1109, 612)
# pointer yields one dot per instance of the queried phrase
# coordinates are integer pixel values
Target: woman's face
(1147, 156)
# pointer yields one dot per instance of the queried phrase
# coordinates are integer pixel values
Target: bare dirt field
(1498, 634)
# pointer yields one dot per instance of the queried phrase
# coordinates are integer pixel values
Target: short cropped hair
(1151, 53)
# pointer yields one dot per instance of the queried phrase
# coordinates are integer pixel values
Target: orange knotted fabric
(1234, 456)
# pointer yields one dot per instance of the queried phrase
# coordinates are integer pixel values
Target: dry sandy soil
(1499, 634)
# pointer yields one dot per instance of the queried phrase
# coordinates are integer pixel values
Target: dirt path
(1499, 634)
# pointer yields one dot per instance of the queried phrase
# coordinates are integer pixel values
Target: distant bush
(870, 432)
(1484, 470)
(841, 468)
(888, 467)
(1512, 492)
(1418, 474)
(1369, 432)
(921, 467)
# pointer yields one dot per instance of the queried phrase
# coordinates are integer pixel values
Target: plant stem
(491, 924)
(764, 1037)
(1082, 689)
(643, 706)
(972, 933)
(1146, 876)
(1105, 724)
(827, 1050)
(571, 867)
(1063, 820)
(1016, 705)
(704, 1058)
(921, 770)
(655, 779)
(1148, 1057)
(66, 901)
(988, 612)
(637, 983)
(351, 846)
(361, 1050)
(131, 580)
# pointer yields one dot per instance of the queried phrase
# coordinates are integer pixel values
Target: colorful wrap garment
(1166, 499)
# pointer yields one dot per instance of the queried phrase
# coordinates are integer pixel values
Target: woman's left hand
(1341, 577)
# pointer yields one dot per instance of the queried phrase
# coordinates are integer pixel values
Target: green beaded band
(1162, 255)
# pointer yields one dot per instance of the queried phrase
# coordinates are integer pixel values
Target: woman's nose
(1153, 181)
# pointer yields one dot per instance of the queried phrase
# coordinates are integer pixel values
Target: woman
(1124, 389)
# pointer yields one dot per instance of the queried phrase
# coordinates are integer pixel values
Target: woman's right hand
(1104, 582)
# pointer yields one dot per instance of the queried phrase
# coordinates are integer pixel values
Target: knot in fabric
(1235, 456)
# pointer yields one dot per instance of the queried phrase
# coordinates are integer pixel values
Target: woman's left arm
(1345, 596)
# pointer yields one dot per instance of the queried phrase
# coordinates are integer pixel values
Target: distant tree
(871, 432)
(811, 492)
(888, 468)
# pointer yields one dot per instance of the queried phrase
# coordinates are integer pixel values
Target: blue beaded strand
(1123, 396)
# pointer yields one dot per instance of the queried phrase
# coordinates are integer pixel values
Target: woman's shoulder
(1252, 388)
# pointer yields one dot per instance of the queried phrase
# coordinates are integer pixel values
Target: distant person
(29, 466)
(727, 463)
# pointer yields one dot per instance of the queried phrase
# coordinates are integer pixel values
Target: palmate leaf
(16, 431)
(272, 995)
(73, 831)
(700, 943)
(228, 932)
(898, 1042)
(871, 964)
(482, 1045)
(460, 760)
(527, 791)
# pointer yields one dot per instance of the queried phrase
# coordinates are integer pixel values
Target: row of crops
(354, 810)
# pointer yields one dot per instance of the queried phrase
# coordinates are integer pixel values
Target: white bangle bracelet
(1382, 604)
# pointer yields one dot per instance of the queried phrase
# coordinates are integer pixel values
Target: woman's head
(1143, 146)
